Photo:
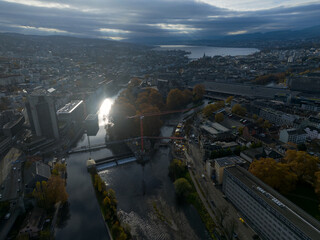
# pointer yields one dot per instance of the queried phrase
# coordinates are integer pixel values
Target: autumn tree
(134, 82)
(302, 164)
(259, 121)
(151, 97)
(47, 193)
(182, 187)
(4, 103)
(198, 92)
(187, 96)
(238, 109)
(175, 99)
(109, 206)
(59, 169)
(118, 232)
(219, 117)
(120, 126)
(266, 124)
(99, 183)
(229, 99)
(211, 108)
(277, 175)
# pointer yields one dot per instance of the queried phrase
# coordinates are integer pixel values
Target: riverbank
(108, 207)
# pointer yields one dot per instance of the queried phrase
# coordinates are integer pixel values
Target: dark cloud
(145, 18)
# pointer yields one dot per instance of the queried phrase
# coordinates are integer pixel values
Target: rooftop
(246, 90)
(69, 107)
(227, 161)
(307, 224)
(91, 117)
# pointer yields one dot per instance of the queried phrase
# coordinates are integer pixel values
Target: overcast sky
(131, 19)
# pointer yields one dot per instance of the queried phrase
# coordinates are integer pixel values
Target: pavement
(10, 173)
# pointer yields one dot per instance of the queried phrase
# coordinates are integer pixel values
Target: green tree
(177, 169)
(182, 187)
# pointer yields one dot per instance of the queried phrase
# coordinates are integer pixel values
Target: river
(145, 194)
(199, 51)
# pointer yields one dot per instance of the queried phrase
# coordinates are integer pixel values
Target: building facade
(42, 116)
(270, 214)
(292, 135)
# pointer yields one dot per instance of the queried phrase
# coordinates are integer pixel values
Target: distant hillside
(277, 39)
(281, 39)
(309, 37)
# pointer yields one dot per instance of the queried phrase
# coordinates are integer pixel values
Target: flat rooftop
(69, 107)
(306, 223)
(227, 161)
(91, 117)
(246, 90)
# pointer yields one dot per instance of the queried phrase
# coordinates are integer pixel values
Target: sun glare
(104, 111)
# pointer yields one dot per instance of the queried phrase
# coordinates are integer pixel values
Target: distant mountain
(308, 37)
(284, 38)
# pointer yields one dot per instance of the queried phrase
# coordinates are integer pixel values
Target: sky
(125, 20)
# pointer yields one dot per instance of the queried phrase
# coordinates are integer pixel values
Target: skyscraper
(42, 113)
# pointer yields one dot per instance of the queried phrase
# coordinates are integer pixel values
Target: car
(19, 179)
(14, 168)
(0, 196)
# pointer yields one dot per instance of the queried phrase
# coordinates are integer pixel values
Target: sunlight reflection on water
(104, 111)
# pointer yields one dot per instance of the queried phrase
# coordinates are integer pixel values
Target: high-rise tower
(42, 113)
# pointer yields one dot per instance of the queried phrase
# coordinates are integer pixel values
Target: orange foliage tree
(302, 164)
(177, 99)
(198, 92)
(47, 193)
(276, 175)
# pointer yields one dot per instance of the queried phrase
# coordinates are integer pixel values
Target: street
(223, 210)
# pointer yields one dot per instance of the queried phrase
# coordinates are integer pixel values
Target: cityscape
(159, 120)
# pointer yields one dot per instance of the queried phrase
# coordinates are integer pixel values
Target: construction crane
(141, 116)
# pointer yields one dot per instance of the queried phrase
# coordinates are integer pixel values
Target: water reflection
(104, 111)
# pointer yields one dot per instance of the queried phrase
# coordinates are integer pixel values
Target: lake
(199, 51)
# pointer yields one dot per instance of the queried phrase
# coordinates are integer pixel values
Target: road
(213, 195)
